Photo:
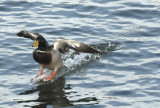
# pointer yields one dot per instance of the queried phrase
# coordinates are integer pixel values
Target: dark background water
(127, 77)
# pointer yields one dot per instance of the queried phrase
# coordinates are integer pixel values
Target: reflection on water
(49, 94)
(53, 94)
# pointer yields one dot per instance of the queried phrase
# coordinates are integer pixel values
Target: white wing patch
(77, 45)
(74, 44)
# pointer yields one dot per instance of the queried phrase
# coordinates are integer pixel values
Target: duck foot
(48, 78)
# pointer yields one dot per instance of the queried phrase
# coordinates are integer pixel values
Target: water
(126, 75)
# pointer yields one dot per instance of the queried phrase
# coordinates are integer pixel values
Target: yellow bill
(35, 44)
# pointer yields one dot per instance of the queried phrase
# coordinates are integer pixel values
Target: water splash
(76, 60)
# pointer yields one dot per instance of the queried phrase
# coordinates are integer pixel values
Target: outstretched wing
(27, 34)
(63, 46)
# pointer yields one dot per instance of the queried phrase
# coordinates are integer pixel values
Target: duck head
(41, 43)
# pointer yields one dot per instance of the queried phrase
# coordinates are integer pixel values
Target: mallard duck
(49, 56)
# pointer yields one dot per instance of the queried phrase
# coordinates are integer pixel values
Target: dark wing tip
(27, 34)
(85, 48)
(22, 33)
(92, 50)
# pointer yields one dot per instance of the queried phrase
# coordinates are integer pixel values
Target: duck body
(49, 59)
(49, 56)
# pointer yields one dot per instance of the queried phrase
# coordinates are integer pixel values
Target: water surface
(127, 75)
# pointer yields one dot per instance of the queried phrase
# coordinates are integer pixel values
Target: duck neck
(43, 47)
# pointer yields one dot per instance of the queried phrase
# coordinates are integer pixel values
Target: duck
(49, 56)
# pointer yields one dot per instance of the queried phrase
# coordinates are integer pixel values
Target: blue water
(126, 75)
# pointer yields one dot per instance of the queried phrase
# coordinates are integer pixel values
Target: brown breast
(42, 57)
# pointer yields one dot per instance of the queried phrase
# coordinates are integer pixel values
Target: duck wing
(27, 34)
(63, 46)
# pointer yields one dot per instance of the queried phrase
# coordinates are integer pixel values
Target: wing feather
(27, 34)
(62, 44)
